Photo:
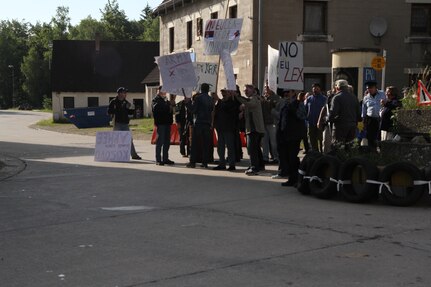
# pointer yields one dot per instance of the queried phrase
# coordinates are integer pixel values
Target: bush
(47, 103)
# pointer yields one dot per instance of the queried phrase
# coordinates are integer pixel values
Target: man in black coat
(291, 128)
(225, 117)
(163, 119)
(120, 109)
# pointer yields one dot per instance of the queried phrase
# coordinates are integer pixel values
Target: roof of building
(170, 5)
(78, 67)
(153, 77)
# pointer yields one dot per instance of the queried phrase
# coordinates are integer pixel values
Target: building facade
(400, 28)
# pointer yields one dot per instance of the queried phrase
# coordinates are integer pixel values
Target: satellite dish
(378, 26)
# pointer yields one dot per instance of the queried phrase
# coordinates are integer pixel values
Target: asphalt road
(66, 220)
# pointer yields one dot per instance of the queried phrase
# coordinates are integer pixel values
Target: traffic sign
(378, 63)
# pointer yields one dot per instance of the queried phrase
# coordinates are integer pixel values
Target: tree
(116, 23)
(150, 23)
(87, 29)
(36, 64)
(13, 47)
(61, 23)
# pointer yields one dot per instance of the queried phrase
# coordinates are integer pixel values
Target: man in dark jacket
(120, 109)
(225, 117)
(163, 119)
(201, 107)
(291, 130)
(344, 113)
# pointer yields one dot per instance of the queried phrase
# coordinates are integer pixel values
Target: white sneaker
(277, 176)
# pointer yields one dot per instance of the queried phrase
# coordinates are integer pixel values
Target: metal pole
(259, 48)
(13, 84)
(384, 71)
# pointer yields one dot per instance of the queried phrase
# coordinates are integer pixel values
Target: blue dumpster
(88, 117)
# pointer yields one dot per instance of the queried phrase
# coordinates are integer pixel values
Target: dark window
(189, 34)
(214, 15)
(171, 39)
(93, 102)
(315, 17)
(421, 24)
(68, 102)
(233, 11)
(199, 27)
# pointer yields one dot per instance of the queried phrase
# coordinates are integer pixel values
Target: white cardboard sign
(228, 70)
(272, 68)
(113, 146)
(222, 34)
(177, 71)
(291, 66)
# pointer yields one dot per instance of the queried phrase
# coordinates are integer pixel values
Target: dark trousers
(256, 157)
(226, 139)
(201, 141)
(316, 136)
(372, 126)
(183, 139)
(282, 156)
(163, 142)
(292, 147)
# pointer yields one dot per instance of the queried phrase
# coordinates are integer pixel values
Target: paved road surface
(66, 220)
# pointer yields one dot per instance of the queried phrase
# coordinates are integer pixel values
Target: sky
(42, 11)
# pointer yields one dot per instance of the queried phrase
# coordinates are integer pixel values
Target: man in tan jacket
(254, 128)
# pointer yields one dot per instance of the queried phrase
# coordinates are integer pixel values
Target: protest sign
(222, 34)
(206, 73)
(177, 72)
(291, 66)
(113, 146)
(228, 70)
(272, 68)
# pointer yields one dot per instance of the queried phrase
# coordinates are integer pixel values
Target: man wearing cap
(313, 106)
(120, 109)
(344, 113)
(371, 113)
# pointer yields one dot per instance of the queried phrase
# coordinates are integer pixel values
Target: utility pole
(13, 84)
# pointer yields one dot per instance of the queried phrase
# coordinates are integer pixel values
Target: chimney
(97, 40)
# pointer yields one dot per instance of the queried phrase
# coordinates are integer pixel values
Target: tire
(304, 170)
(358, 171)
(401, 177)
(324, 169)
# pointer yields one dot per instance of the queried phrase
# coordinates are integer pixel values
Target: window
(233, 11)
(92, 102)
(214, 15)
(420, 22)
(315, 17)
(68, 102)
(199, 27)
(171, 39)
(189, 34)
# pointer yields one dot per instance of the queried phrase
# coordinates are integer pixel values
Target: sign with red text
(222, 34)
(177, 72)
(291, 66)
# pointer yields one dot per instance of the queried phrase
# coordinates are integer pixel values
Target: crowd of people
(275, 124)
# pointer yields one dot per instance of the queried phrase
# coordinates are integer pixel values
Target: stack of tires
(359, 180)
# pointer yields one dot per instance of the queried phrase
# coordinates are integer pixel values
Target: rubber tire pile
(358, 180)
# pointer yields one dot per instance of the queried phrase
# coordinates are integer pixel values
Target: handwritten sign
(206, 73)
(113, 146)
(228, 70)
(291, 66)
(177, 71)
(272, 68)
(222, 34)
